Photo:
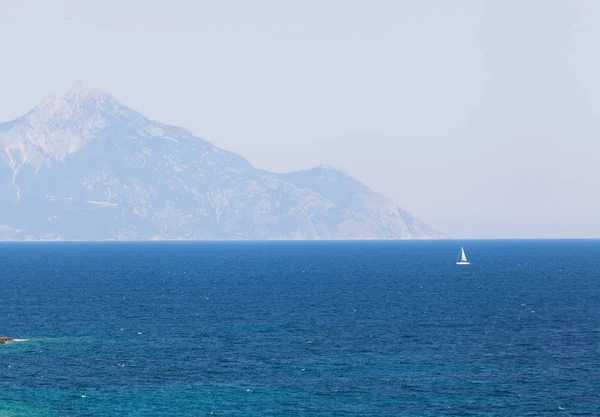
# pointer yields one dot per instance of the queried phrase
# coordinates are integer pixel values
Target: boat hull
(463, 263)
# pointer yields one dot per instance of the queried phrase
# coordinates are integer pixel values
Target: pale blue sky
(480, 117)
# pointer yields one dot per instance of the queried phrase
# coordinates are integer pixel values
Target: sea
(382, 328)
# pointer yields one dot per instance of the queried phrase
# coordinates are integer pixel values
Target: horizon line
(295, 240)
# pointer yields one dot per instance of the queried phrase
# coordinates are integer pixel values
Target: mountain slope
(84, 167)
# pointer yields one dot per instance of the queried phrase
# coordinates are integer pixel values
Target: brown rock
(4, 340)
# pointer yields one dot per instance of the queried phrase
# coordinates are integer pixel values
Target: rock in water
(4, 340)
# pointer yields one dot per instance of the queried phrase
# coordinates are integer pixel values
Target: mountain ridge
(82, 166)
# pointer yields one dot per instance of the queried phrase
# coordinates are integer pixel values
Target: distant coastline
(83, 166)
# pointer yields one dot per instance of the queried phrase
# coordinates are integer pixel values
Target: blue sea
(300, 329)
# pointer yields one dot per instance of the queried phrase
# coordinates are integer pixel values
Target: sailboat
(462, 258)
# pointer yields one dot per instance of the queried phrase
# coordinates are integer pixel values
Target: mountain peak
(79, 88)
(78, 94)
(60, 125)
(79, 91)
(330, 169)
(327, 167)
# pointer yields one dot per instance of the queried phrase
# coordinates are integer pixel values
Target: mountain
(82, 166)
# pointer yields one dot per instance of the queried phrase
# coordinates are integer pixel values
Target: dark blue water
(300, 329)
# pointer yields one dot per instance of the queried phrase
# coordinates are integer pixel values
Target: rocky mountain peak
(60, 125)
(79, 88)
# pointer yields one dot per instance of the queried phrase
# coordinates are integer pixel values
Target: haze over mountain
(82, 166)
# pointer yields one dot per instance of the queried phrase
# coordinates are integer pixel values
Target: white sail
(462, 258)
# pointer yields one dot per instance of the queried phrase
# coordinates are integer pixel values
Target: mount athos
(82, 166)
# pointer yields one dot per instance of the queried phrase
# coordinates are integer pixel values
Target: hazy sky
(480, 117)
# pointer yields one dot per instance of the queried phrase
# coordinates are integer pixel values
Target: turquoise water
(300, 329)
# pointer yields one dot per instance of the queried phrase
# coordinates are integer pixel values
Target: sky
(479, 117)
